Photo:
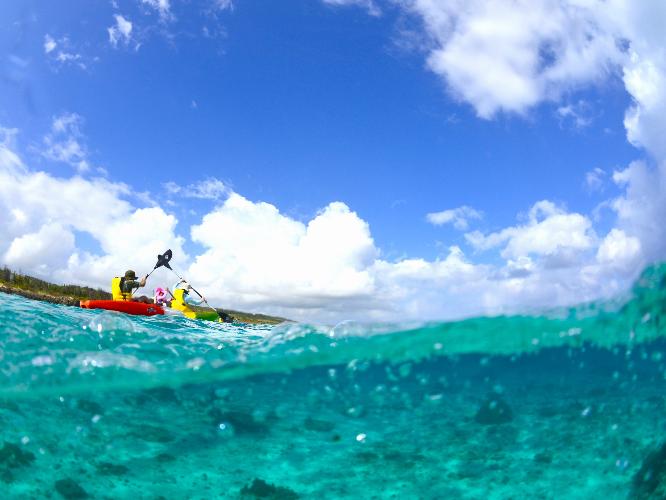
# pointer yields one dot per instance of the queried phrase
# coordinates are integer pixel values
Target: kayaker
(184, 296)
(160, 298)
(122, 288)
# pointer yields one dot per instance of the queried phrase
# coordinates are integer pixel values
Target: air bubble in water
(226, 430)
(111, 322)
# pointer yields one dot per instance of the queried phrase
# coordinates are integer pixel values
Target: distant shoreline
(35, 289)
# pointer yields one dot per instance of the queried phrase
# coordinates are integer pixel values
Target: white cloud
(369, 5)
(325, 269)
(618, 250)
(298, 264)
(644, 73)
(208, 189)
(550, 231)
(578, 114)
(595, 178)
(43, 250)
(508, 55)
(163, 7)
(64, 55)
(641, 208)
(223, 4)
(64, 142)
(49, 44)
(459, 217)
(498, 56)
(121, 32)
(41, 215)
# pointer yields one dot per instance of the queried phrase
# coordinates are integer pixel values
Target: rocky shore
(44, 297)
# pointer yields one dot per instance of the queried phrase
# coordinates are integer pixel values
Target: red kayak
(123, 306)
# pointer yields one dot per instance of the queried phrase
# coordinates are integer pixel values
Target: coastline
(41, 296)
(229, 316)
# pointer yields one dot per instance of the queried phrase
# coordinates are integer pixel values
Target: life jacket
(117, 289)
(179, 304)
(178, 301)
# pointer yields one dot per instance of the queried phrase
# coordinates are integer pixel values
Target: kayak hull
(203, 315)
(124, 306)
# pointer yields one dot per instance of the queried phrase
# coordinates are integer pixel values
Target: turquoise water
(568, 404)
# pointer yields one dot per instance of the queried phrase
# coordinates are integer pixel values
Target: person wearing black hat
(129, 282)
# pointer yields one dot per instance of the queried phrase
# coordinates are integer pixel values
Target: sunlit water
(569, 404)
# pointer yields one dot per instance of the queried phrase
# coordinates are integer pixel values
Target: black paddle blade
(163, 260)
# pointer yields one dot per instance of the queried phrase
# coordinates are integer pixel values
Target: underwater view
(568, 404)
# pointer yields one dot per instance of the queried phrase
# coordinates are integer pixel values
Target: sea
(557, 404)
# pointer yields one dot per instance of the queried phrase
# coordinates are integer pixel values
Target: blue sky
(303, 103)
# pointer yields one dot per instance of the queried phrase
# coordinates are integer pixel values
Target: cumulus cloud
(641, 208)
(550, 231)
(325, 269)
(43, 250)
(65, 142)
(41, 216)
(459, 217)
(299, 264)
(121, 32)
(497, 56)
(618, 250)
(508, 56)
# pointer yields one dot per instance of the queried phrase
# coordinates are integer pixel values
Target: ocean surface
(569, 403)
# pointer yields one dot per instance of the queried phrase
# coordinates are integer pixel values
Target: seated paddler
(122, 288)
(182, 298)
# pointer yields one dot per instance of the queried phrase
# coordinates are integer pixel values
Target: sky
(325, 160)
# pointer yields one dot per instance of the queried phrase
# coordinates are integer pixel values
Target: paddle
(162, 260)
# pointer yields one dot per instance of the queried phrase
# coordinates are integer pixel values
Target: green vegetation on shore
(37, 289)
(37, 286)
(244, 317)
